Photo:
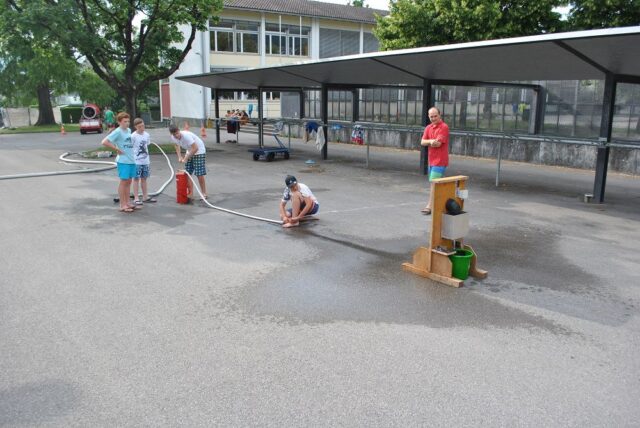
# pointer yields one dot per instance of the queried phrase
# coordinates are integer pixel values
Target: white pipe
(195, 186)
(166, 183)
(112, 165)
(64, 159)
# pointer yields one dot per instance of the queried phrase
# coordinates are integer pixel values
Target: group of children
(134, 166)
(134, 163)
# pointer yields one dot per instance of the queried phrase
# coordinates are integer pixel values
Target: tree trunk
(131, 101)
(131, 105)
(45, 109)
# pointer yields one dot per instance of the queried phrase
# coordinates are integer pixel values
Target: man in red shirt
(436, 137)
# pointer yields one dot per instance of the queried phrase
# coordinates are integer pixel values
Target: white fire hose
(111, 165)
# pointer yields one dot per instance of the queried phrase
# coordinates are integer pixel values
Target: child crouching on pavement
(303, 202)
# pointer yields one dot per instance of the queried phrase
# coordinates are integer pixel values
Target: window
(626, 118)
(247, 42)
(224, 41)
(291, 40)
(338, 42)
(340, 105)
(572, 108)
(274, 44)
(370, 43)
(312, 104)
(234, 36)
(485, 108)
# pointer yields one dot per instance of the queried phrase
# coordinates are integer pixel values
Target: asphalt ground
(184, 315)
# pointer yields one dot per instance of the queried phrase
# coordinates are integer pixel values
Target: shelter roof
(315, 9)
(561, 56)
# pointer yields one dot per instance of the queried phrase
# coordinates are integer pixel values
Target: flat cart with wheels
(270, 153)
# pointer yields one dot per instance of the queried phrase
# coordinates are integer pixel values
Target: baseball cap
(290, 180)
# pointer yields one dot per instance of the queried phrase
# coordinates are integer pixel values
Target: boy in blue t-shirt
(120, 141)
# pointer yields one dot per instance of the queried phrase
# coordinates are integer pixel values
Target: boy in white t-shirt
(303, 202)
(194, 158)
(140, 140)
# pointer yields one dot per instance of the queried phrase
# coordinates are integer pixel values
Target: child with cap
(303, 202)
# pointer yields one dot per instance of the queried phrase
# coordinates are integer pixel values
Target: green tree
(130, 44)
(91, 88)
(32, 67)
(356, 3)
(416, 23)
(593, 14)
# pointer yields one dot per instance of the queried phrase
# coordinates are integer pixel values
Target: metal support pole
(426, 104)
(325, 119)
(302, 113)
(217, 110)
(535, 122)
(606, 122)
(260, 114)
(355, 105)
(355, 113)
(499, 162)
(367, 150)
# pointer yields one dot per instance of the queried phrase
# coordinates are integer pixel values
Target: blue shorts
(436, 172)
(196, 165)
(314, 210)
(126, 171)
(142, 171)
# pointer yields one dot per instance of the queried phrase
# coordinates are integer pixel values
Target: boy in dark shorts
(303, 202)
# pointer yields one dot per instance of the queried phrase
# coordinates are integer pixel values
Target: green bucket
(461, 262)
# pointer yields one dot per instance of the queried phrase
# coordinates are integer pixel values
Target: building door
(165, 104)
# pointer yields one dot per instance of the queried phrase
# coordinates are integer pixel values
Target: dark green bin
(461, 262)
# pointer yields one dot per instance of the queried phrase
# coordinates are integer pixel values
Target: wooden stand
(433, 262)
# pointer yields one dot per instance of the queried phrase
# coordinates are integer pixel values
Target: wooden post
(433, 262)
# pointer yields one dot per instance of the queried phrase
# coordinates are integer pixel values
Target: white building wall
(315, 38)
(189, 100)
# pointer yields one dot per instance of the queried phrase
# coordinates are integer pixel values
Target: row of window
(571, 108)
(571, 113)
(288, 40)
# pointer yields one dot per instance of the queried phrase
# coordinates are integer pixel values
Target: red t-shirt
(438, 156)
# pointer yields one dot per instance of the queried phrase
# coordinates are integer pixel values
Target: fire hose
(111, 165)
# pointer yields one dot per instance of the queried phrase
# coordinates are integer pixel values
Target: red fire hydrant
(182, 189)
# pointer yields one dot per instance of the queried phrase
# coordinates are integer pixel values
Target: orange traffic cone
(203, 132)
(62, 131)
(186, 126)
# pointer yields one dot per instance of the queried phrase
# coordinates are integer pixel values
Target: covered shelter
(611, 55)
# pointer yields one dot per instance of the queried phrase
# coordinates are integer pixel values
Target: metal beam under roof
(562, 56)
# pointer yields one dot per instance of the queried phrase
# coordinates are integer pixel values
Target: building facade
(259, 33)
